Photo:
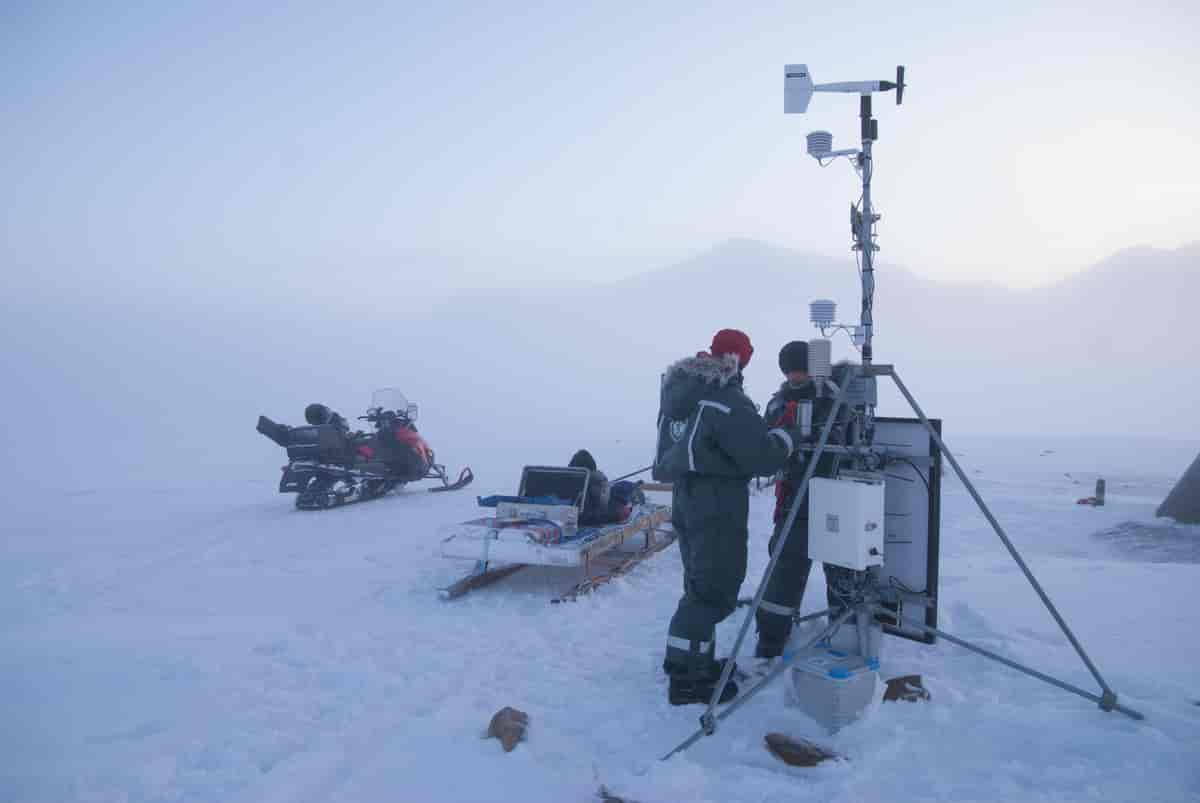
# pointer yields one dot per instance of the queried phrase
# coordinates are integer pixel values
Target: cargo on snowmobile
(328, 465)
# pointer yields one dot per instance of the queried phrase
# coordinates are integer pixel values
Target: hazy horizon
(445, 276)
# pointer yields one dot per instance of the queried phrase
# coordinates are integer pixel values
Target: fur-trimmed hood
(691, 379)
(707, 368)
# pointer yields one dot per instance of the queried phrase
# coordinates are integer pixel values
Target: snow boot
(696, 684)
(756, 670)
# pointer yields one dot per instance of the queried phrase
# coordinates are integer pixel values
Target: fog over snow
(178, 378)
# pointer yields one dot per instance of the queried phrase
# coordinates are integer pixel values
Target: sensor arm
(855, 87)
(835, 154)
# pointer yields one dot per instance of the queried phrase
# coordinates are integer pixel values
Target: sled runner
(539, 527)
(602, 553)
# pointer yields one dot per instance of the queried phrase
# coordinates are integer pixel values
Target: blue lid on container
(839, 672)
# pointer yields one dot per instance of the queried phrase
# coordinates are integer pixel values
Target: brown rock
(906, 687)
(508, 725)
(797, 752)
(607, 796)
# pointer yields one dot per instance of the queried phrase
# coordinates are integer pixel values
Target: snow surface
(171, 640)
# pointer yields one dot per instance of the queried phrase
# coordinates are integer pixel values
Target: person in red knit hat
(711, 441)
(733, 341)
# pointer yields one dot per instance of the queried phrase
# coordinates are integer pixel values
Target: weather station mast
(797, 92)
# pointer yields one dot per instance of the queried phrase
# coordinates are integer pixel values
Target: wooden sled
(599, 553)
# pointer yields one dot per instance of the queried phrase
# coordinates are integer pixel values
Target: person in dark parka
(797, 404)
(711, 442)
(605, 503)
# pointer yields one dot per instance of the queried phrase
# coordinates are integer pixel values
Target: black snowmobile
(328, 465)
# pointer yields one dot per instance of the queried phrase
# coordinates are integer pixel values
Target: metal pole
(763, 681)
(866, 242)
(1129, 712)
(633, 473)
(707, 722)
(1110, 698)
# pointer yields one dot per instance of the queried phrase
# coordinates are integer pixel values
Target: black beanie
(583, 459)
(794, 357)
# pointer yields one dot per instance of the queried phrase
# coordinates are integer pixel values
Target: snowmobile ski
(464, 479)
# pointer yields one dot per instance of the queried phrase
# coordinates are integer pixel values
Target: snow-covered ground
(172, 640)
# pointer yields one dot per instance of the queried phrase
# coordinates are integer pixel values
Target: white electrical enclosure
(846, 522)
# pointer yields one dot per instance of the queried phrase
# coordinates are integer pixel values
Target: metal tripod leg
(1042, 676)
(745, 696)
(1108, 701)
(808, 617)
(707, 723)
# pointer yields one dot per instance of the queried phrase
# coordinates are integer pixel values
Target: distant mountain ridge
(769, 259)
(1076, 356)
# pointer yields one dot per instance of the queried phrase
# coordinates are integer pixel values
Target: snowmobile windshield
(393, 399)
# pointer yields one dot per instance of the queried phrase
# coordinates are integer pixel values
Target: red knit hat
(733, 341)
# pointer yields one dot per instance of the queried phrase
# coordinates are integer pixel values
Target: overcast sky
(150, 144)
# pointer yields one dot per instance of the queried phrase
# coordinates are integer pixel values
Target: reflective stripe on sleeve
(703, 405)
(715, 405)
(783, 435)
(692, 440)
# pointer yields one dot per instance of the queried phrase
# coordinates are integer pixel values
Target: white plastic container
(846, 640)
(832, 687)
